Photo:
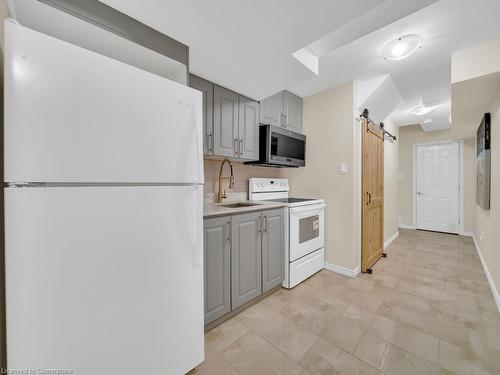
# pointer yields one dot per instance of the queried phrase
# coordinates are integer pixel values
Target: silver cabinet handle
(236, 150)
(210, 142)
(226, 229)
(260, 224)
(240, 149)
(283, 120)
(265, 224)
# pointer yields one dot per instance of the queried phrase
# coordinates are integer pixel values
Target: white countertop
(212, 209)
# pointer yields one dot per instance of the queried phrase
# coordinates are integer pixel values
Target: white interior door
(104, 280)
(438, 187)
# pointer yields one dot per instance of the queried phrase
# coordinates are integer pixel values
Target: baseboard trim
(493, 288)
(466, 234)
(391, 239)
(404, 226)
(342, 270)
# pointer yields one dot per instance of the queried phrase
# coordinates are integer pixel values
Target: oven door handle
(313, 207)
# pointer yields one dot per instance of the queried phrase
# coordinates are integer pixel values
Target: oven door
(307, 230)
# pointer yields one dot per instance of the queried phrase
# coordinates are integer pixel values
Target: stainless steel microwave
(280, 148)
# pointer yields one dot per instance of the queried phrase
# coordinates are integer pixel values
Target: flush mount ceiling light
(401, 48)
(421, 110)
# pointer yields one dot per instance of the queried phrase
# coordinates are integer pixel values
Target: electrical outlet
(343, 168)
(481, 236)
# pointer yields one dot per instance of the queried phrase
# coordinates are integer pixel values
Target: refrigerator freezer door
(105, 280)
(72, 115)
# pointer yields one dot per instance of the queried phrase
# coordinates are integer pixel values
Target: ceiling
(425, 77)
(247, 46)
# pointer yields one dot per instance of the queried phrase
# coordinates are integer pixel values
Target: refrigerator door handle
(198, 246)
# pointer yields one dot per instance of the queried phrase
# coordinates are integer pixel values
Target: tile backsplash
(241, 172)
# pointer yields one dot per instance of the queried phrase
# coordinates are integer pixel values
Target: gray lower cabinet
(226, 136)
(243, 257)
(246, 258)
(273, 248)
(217, 267)
(207, 89)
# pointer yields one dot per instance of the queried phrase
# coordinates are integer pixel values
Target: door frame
(460, 181)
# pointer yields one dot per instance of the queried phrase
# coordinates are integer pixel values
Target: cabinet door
(293, 111)
(217, 267)
(246, 258)
(225, 122)
(273, 248)
(248, 129)
(271, 110)
(207, 89)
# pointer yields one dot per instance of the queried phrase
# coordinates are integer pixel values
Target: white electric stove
(305, 229)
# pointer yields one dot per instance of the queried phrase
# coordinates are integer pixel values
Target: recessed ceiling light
(401, 48)
(421, 110)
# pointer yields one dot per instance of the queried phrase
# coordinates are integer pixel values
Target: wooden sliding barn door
(373, 196)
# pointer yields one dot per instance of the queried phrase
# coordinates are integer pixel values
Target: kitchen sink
(238, 204)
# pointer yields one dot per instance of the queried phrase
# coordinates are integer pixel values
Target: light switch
(343, 168)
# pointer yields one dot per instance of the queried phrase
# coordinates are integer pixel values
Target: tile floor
(426, 309)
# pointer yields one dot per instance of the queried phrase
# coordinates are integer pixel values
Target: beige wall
(487, 223)
(391, 183)
(476, 61)
(332, 138)
(411, 135)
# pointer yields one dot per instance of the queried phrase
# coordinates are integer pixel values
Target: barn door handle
(369, 197)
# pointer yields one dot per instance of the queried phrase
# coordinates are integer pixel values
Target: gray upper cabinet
(230, 122)
(207, 89)
(217, 267)
(273, 248)
(282, 109)
(246, 258)
(226, 136)
(248, 120)
(271, 110)
(293, 111)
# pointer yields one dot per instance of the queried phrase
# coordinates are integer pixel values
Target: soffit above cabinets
(54, 22)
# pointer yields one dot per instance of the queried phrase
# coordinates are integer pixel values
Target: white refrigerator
(103, 213)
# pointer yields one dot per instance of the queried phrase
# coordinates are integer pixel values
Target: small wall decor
(483, 163)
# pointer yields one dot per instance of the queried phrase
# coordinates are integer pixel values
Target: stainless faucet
(221, 195)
